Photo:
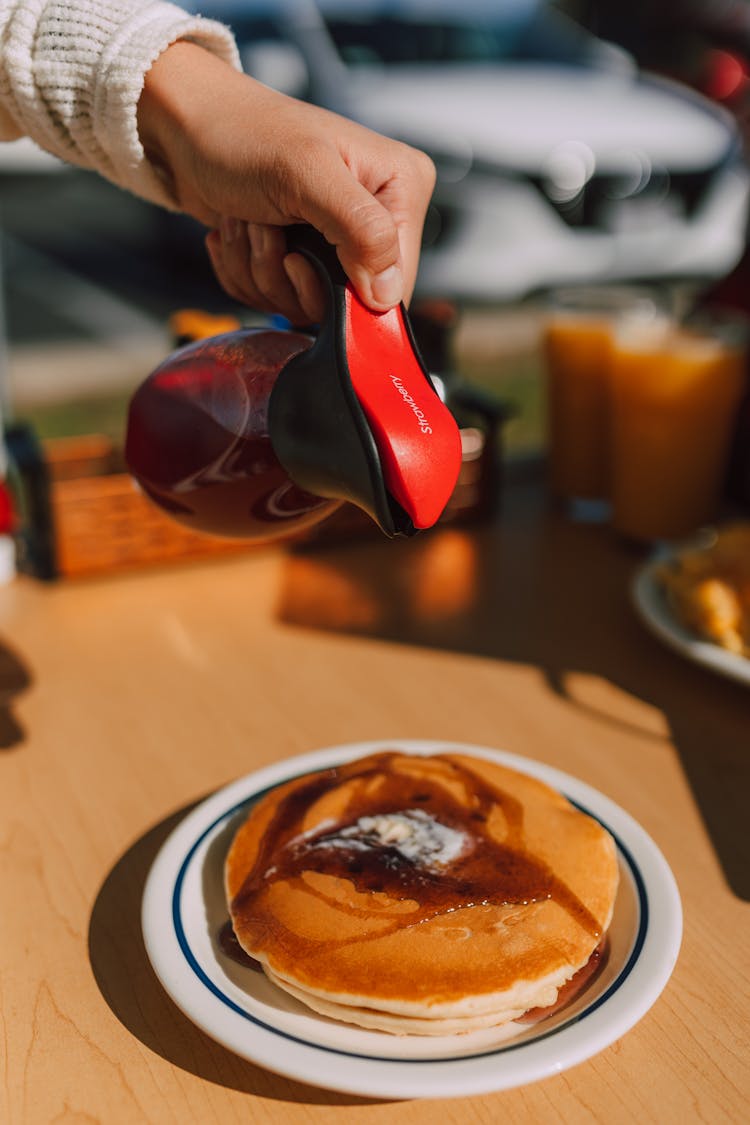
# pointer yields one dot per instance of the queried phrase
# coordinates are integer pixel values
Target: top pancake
(436, 887)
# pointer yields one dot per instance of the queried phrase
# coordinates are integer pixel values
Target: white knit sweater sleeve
(72, 71)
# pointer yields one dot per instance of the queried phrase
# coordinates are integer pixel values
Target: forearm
(72, 73)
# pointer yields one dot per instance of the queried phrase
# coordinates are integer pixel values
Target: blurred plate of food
(695, 597)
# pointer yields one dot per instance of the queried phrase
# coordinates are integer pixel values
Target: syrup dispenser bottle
(259, 433)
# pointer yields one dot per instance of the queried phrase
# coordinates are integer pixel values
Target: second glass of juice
(675, 394)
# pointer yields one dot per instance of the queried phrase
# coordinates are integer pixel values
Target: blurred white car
(557, 161)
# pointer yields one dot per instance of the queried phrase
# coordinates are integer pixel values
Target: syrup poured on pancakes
(456, 864)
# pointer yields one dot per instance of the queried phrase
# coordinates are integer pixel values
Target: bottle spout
(356, 417)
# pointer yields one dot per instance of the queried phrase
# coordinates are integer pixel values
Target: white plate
(184, 909)
(654, 611)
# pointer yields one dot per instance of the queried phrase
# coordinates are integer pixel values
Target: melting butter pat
(415, 834)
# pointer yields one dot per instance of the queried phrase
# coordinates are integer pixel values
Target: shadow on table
(542, 591)
(15, 678)
(130, 987)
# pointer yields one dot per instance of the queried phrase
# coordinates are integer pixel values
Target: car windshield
(389, 40)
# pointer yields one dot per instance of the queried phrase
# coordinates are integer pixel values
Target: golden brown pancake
(422, 895)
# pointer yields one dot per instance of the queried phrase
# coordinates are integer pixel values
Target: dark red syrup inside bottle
(198, 441)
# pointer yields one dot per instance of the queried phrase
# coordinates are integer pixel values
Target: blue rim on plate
(174, 920)
(192, 960)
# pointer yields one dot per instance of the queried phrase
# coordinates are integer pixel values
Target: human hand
(248, 161)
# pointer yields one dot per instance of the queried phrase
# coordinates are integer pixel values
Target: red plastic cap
(416, 435)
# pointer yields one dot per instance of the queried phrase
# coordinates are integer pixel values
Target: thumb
(365, 235)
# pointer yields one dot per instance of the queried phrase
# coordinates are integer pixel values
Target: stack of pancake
(421, 895)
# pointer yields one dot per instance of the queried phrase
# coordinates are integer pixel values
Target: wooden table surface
(127, 700)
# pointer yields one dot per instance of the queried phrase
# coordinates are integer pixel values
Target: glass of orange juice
(578, 335)
(675, 391)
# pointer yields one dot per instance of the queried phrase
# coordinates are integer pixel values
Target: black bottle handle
(356, 417)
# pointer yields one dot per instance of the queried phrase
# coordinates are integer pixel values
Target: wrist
(178, 106)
